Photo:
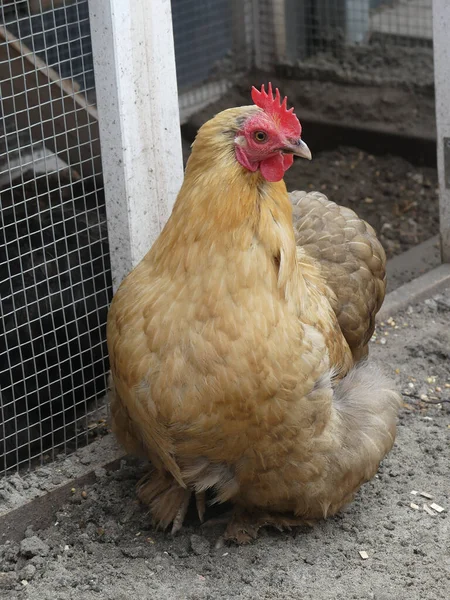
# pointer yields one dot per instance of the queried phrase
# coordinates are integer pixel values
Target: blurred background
(360, 75)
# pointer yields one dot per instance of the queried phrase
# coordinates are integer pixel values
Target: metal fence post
(134, 63)
(441, 28)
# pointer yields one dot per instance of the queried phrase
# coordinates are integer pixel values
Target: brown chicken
(234, 343)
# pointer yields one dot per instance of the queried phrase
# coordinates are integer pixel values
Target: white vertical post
(441, 41)
(134, 63)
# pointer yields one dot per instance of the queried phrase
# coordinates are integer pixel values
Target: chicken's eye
(260, 136)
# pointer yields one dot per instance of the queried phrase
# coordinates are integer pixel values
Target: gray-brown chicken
(233, 344)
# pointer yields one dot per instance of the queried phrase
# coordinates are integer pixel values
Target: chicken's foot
(245, 525)
(200, 501)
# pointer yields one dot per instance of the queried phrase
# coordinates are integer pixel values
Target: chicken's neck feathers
(222, 206)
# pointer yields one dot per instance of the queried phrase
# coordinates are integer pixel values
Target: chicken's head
(269, 138)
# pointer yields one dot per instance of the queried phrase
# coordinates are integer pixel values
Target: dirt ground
(376, 84)
(101, 544)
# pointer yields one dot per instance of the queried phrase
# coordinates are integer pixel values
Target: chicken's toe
(179, 517)
(223, 519)
(200, 502)
(245, 525)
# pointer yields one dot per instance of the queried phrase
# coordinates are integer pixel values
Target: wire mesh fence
(406, 21)
(214, 45)
(54, 260)
(217, 42)
(308, 27)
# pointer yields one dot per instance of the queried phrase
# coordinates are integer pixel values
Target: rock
(34, 492)
(27, 573)
(9, 552)
(37, 561)
(17, 482)
(199, 545)
(432, 304)
(44, 472)
(442, 302)
(29, 531)
(8, 580)
(136, 552)
(33, 546)
(57, 479)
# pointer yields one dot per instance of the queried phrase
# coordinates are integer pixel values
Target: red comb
(273, 106)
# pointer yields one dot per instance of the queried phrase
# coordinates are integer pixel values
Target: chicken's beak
(299, 148)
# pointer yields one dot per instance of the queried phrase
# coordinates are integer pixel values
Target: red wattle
(244, 161)
(288, 161)
(273, 168)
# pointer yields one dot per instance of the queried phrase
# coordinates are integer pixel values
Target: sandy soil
(102, 545)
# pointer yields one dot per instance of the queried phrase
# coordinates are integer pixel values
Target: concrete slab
(413, 263)
(414, 291)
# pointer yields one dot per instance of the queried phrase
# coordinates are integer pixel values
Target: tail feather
(365, 415)
(366, 406)
(358, 436)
